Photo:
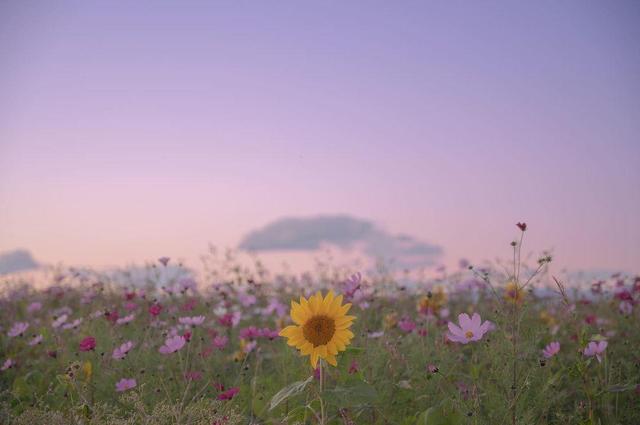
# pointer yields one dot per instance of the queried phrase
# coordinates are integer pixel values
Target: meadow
(494, 344)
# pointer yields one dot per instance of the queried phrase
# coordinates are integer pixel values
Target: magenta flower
(229, 394)
(193, 321)
(595, 349)
(407, 325)
(121, 352)
(551, 350)
(125, 384)
(88, 343)
(354, 367)
(471, 328)
(36, 340)
(155, 309)
(172, 344)
(18, 328)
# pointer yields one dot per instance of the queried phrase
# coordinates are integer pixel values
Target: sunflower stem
(322, 416)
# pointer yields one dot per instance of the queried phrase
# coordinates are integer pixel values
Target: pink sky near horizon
(155, 128)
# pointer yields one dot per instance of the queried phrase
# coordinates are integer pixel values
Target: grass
(382, 378)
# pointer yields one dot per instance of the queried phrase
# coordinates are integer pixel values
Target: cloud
(310, 233)
(16, 261)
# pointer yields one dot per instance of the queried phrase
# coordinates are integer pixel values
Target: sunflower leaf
(288, 391)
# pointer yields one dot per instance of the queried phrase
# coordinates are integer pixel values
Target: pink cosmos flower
(9, 363)
(354, 367)
(130, 306)
(155, 309)
(121, 352)
(374, 335)
(431, 368)
(595, 349)
(551, 350)
(164, 260)
(471, 328)
(229, 394)
(18, 328)
(172, 344)
(626, 307)
(88, 343)
(407, 325)
(125, 384)
(250, 346)
(36, 340)
(247, 300)
(275, 306)
(193, 375)
(34, 306)
(125, 319)
(72, 325)
(230, 320)
(220, 342)
(193, 321)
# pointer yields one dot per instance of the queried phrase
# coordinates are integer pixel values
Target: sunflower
(321, 327)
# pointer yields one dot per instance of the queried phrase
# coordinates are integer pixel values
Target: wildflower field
(501, 344)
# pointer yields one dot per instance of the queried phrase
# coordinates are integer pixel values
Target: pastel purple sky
(139, 129)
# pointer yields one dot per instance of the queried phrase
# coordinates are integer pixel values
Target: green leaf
(289, 391)
(354, 350)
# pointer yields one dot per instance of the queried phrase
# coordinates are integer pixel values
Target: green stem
(322, 413)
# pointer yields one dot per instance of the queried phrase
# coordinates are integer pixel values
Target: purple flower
(551, 350)
(7, 364)
(18, 328)
(125, 384)
(626, 307)
(36, 340)
(73, 324)
(120, 352)
(470, 329)
(193, 321)
(172, 344)
(595, 349)
(34, 306)
(59, 321)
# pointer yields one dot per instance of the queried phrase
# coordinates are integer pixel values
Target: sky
(134, 130)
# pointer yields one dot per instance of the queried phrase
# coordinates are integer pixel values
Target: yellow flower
(321, 327)
(88, 370)
(433, 302)
(547, 318)
(513, 293)
(390, 320)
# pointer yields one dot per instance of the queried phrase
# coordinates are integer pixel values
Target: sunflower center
(319, 330)
(469, 334)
